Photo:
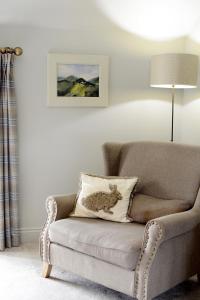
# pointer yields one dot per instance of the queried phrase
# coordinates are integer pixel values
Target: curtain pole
(17, 50)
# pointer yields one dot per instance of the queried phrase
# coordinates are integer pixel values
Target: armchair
(139, 260)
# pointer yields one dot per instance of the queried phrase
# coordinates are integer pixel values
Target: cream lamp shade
(174, 70)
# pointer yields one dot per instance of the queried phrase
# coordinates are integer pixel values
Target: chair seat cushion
(116, 243)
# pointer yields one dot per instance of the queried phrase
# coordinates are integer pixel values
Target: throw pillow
(145, 208)
(104, 197)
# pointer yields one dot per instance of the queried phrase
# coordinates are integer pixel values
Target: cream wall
(55, 144)
(190, 128)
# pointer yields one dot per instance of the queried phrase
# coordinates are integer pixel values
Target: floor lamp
(174, 71)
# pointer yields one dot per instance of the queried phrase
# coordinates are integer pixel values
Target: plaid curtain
(9, 233)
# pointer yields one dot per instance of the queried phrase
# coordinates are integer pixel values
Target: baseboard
(30, 234)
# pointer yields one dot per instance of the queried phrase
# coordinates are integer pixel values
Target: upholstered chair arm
(156, 232)
(153, 236)
(179, 223)
(62, 205)
(58, 207)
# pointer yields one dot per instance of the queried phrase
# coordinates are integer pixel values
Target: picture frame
(77, 80)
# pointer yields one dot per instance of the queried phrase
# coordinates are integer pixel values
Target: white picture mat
(56, 101)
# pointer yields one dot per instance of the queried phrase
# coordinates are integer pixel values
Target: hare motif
(102, 200)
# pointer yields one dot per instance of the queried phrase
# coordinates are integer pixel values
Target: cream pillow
(104, 197)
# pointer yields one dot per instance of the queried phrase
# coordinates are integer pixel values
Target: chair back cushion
(165, 170)
(145, 208)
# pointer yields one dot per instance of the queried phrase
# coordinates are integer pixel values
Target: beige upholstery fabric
(145, 208)
(165, 170)
(176, 260)
(156, 232)
(64, 205)
(112, 152)
(180, 223)
(58, 207)
(116, 243)
(97, 270)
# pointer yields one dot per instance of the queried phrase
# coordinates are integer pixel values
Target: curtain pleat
(9, 230)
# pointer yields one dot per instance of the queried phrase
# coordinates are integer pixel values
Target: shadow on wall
(129, 53)
(55, 144)
(132, 101)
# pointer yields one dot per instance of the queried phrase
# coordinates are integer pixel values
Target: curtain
(9, 233)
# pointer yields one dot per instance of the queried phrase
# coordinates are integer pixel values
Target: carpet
(20, 279)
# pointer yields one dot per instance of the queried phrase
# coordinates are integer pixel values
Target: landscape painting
(77, 80)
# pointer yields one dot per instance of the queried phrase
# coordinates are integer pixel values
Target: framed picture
(77, 80)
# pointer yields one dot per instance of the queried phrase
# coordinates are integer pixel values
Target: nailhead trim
(51, 207)
(156, 242)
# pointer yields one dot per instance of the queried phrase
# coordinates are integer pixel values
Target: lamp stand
(172, 126)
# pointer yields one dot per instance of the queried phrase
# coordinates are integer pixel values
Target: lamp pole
(172, 128)
(174, 71)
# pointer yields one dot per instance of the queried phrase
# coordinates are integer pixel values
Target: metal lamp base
(172, 122)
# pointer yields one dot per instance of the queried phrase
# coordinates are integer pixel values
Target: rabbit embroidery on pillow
(102, 200)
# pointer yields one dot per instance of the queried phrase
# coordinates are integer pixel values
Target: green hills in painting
(72, 86)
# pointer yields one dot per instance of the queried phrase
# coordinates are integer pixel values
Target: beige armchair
(139, 260)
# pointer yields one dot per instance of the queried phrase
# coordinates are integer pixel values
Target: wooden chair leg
(46, 270)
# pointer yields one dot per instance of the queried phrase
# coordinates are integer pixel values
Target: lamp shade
(174, 70)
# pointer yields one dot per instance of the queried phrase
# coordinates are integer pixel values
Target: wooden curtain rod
(17, 50)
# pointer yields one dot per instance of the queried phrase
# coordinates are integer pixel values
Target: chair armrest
(62, 205)
(58, 207)
(156, 232)
(176, 224)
